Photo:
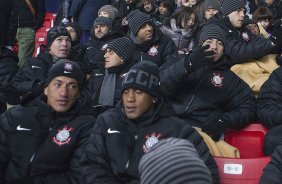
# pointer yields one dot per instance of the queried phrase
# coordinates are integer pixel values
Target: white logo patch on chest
(153, 50)
(63, 136)
(151, 141)
(217, 80)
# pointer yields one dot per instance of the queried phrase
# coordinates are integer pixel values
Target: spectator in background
(148, 7)
(42, 141)
(101, 34)
(173, 160)
(122, 135)
(263, 17)
(84, 12)
(77, 48)
(163, 13)
(275, 6)
(211, 7)
(5, 11)
(151, 44)
(182, 29)
(27, 19)
(30, 78)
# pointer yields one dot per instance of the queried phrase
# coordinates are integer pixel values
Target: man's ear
(45, 91)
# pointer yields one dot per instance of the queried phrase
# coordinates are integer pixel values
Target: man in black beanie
(30, 78)
(41, 141)
(151, 44)
(241, 45)
(101, 34)
(104, 91)
(123, 134)
(203, 90)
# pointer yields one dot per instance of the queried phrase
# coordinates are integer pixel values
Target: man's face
(145, 33)
(112, 59)
(268, 2)
(103, 14)
(62, 92)
(236, 17)
(136, 103)
(210, 12)
(60, 48)
(216, 46)
(101, 31)
(72, 33)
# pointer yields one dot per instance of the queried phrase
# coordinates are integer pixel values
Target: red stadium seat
(248, 140)
(249, 167)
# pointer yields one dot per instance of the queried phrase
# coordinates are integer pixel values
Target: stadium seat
(249, 167)
(248, 140)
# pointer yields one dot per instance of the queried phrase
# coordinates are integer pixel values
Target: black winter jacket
(240, 44)
(117, 144)
(158, 50)
(270, 100)
(37, 142)
(206, 93)
(272, 173)
(94, 56)
(32, 72)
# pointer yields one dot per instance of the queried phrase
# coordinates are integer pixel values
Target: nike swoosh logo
(112, 131)
(98, 74)
(230, 31)
(19, 128)
(34, 66)
(66, 72)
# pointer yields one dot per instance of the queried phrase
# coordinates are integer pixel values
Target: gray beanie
(136, 19)
(124, 47)
(214, 4)
(173, 161)
(228, 6)
(111, 11)
(211, 31)
(103, 21)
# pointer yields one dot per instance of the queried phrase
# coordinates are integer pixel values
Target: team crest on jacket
(104, 47)
(63, 136)
(245, 36)
(153, 50)
(217, 80)
(151, 141)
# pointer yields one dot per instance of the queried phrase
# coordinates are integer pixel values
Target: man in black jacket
(241, 45)
(151, 44)
(203, 90)
(41, 142)
(30, 78)
(123, 134)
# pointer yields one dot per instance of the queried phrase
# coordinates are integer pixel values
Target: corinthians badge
(151, 141)
(63, 136)
(153, 50)
(217, 80)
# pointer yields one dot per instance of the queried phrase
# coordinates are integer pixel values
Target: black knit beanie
(214, 4)
(65, 67)
(173, 161)
(211, 31)
(54, 33)
(228, 6)
(143, 76)
(77, 28)
(136, 19)
(124, 47)
(103, 21)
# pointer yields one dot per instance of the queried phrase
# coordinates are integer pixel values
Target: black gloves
(216, 127)
(276, 38)
(198, 58)
(24, 180)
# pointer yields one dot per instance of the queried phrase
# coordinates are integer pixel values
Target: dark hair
(184, 14)
(262, 13)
